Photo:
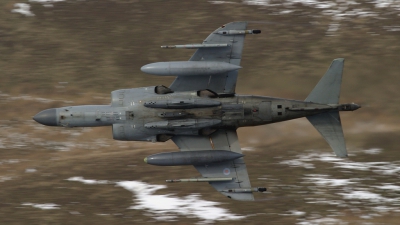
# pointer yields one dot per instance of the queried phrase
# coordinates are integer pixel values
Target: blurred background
(56, 53)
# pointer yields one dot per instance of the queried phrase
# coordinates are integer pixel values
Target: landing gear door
(265, 111)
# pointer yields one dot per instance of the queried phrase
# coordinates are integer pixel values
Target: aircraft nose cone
(47, 117)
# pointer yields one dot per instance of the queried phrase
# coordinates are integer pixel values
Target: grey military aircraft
(200, 112)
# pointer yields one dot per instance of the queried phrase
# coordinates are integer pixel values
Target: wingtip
(339, 59)
(343, 156)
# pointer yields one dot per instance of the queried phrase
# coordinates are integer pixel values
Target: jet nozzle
(349, 107)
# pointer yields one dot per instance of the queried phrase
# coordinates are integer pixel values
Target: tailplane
(328, 124)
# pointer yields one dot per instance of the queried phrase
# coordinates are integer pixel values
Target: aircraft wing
(224, 83)
(236, 169)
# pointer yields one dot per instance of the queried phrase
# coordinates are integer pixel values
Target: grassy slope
(99, 46)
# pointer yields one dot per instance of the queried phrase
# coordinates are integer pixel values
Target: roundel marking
(227, 171)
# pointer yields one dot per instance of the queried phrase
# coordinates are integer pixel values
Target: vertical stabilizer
(327, 90)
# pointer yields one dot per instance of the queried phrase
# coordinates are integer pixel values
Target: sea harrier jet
(200, 112)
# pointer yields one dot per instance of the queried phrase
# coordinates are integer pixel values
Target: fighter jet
(200, 112)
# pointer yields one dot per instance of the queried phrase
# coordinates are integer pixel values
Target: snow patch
(303, 160)
(30, 170)
(294, 213)
(366, 195)
(23, 8)
(5, 178)
(327, 221)
(169, 207)
(373, 151)
(382, 168)
(389, 187)
(85, 181)
(44, 206)
(247, 149)
(321, 180)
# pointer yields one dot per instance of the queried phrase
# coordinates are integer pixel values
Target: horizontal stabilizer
(327, 91)
(329, 126)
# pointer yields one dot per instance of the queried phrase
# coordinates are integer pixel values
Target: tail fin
(328, 124)
(327, 90)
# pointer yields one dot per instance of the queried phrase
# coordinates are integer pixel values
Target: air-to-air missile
(246, 190)
(191, 157)
(235, 32)
(193, 46)
(188, 68)
(201, 179)
(182, 103)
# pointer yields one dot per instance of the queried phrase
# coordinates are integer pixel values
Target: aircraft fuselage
(142, 114)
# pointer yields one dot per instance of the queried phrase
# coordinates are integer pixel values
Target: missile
(183, 123)
(235, 32)
(201, 179)
(192, 46)
(246, 190)
(188, 68)
(191, 157)
(181, 103)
